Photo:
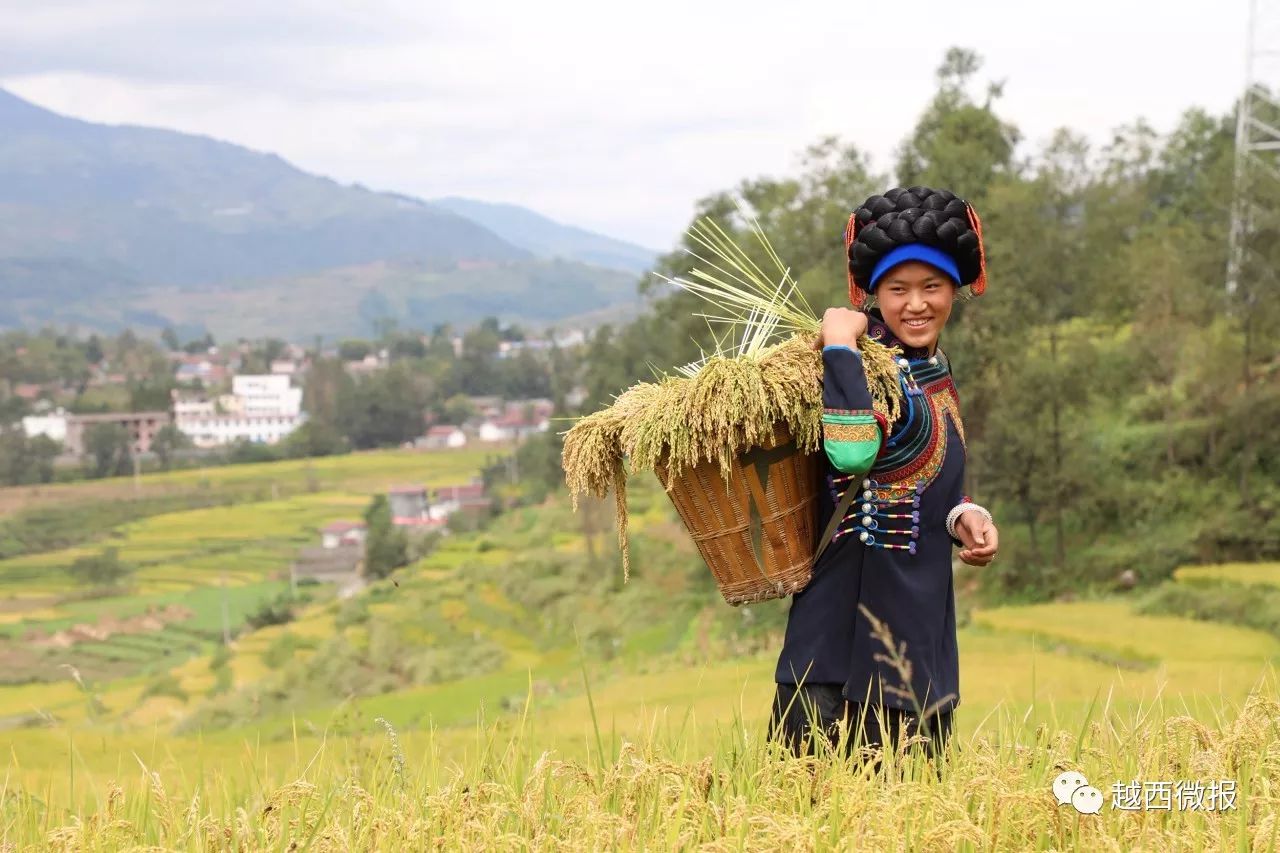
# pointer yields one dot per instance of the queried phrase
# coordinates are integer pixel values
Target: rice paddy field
(192, 573)
(481, 699)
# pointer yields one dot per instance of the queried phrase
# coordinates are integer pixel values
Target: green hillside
(188, 209)
(107, 227)
(352, 300)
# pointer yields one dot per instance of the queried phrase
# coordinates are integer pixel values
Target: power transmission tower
(1255, 207)
(1257, 154)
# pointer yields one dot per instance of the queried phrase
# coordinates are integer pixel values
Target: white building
(193, 408)
(518, 419)
(261, 409)
(571, 338)
(52, 426)
(441, 436)
(266, 395)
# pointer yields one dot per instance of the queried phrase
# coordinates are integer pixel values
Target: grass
(1110, 627)
(672, 758)
(669, 781)
(1249, 574)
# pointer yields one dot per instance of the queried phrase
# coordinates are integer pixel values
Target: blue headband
(915, 252)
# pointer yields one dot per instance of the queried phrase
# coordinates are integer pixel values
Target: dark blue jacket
(891, 553)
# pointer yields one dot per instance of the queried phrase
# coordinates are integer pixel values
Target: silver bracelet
(961, 509)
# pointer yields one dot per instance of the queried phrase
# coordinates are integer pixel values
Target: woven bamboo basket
(758, 531)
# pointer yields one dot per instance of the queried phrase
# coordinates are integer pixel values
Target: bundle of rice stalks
(730, 401)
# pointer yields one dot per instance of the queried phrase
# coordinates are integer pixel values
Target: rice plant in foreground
(993, 791)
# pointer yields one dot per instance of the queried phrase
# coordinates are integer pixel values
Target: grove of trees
(1119, 400)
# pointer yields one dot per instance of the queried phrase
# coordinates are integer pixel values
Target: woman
(888, 565)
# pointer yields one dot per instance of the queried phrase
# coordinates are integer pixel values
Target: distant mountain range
(108, 226)
(549, 239)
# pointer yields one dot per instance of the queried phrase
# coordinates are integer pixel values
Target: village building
(517, 420)
(441, 436)
(52, 426)
(486, 406)
(410, 507)
(337, 534)
(201, 370)
(462, 498)
(418, 507)
(141, 427)
(371, 363)
(260, 408)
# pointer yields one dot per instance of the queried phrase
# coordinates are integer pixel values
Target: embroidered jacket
(891, 553)
(893, 466)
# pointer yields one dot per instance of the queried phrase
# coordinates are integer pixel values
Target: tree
(525, 375)
(108, 448)
(151, 394)
(41, 453)
(315, 438)
(169, 439)
(1116, 394)
(170, 339)
(354, 349)
(386, 546)
(441, 344)
(326, 391)
(26, 460)
(100, 570)
(406, 345)
(387, 408)
(93, 350)
(200, 345)
(456, 410)
(245, 452)
(476, 370)
(957, 143)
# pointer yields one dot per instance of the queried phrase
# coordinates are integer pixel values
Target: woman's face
(915, 299)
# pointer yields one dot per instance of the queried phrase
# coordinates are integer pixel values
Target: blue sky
(616, 117)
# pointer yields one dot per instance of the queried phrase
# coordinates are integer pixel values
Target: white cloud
(610, 116)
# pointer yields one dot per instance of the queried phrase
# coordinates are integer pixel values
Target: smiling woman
(894, 490)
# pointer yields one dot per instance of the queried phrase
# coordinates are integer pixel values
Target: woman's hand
(841, 326)
(980, 537)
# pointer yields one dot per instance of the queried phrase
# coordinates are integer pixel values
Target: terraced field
(486, 652)
(356, 472)
(1250, 574)
(196, 571)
